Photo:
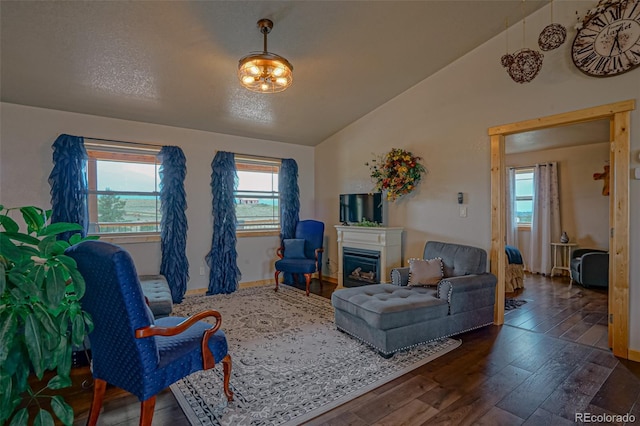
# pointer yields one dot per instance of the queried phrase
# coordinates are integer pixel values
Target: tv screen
(355, 207)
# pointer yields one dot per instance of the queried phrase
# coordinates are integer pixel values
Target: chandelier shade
(265, 72)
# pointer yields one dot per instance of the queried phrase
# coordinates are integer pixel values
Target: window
(124, 192)
(524, 196)
(257, 197)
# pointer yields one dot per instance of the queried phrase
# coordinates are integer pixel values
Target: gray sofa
(392, 317)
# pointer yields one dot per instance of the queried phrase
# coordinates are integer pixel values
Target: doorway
(618, 115)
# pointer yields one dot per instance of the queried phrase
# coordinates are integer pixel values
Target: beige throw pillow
(425, 272)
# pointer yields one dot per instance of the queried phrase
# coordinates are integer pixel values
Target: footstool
(390, 318)
(156, 290)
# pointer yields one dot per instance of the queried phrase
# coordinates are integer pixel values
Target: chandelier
(265, 72)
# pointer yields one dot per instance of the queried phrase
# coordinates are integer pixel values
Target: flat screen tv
(355, 207)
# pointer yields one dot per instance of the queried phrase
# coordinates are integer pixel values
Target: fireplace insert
(360, 267)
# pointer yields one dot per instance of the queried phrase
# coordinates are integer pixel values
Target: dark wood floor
(536, 369)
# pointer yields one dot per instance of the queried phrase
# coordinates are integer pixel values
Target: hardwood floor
(537, 369)
(556, 309)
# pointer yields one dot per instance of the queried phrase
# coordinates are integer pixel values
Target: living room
(443, 119)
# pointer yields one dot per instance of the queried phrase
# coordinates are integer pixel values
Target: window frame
(258, 164)
(109, 152)
(524, 170)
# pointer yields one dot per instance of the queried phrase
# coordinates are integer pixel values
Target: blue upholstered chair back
(116, 303)
(312, 231)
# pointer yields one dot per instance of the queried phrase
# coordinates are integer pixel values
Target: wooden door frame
(618, 115)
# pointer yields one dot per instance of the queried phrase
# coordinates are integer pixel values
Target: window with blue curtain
(173, 234)
(68, 181)
(224, 273)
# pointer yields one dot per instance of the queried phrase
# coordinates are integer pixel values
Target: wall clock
(608, 43)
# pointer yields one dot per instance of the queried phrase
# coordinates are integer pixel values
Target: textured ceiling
(174, 62)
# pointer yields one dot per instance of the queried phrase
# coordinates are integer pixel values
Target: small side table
(561, 255)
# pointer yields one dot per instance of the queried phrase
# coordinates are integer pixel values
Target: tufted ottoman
(156, 290)
(390, 317)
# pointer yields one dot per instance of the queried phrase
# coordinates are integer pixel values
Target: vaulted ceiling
(174, 62)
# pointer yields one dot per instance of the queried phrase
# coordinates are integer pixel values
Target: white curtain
(545, 223)
(511, 223)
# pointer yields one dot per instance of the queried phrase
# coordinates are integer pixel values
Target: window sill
(524, 227)
(129, 239)
(245, 234)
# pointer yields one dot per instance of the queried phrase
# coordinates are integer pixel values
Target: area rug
(511, 304)
(290, 364)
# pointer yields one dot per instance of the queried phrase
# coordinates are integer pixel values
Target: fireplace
(360, 267)
(383, 243)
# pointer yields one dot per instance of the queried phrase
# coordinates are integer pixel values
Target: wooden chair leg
(146, 411)
(308, 280)
(277, 282)
(226, 367)
(99, 388)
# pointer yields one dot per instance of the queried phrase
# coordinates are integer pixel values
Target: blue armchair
(302, 254)
(130, 349)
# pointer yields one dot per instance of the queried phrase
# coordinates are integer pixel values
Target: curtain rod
(139, 144)
(273, 159)
(533, 166)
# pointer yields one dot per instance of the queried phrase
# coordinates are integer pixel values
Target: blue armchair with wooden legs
(130, 349)
(303, 253)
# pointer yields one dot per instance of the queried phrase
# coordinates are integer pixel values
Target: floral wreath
(397, 172)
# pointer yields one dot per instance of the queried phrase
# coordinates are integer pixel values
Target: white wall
(26, 135)
(584, 211)
(445, 120)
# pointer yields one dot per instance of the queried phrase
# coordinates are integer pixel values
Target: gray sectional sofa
(392, 317)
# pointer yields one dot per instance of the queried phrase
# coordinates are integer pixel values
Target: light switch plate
(463, 211)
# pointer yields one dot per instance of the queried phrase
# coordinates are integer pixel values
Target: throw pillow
(425, 272)
(294, 248)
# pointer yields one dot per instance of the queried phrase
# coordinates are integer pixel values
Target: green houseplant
(40, 314)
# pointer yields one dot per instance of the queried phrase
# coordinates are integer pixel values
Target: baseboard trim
(634, 355)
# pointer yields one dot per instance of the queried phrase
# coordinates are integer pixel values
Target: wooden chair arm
(280, 252)
(153, 330)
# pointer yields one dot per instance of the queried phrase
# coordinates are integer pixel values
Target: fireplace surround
(380, 244)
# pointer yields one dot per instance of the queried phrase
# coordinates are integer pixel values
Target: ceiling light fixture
(265, 72)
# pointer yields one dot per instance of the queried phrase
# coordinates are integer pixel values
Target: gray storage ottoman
(156, 290)
(389, 317)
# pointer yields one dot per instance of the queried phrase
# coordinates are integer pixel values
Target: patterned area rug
(290, 364)
(511, 304)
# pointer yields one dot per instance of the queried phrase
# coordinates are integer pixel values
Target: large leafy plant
(40, 314)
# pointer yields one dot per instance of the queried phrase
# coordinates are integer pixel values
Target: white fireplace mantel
(388, 241)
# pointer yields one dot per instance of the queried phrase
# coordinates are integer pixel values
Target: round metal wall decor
(552, 37)
(524, 65)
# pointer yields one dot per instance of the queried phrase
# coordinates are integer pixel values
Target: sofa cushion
(457, 259)
(156, 289)
(424, 272)
(386, 306)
